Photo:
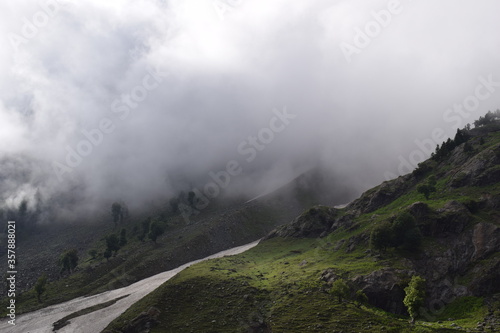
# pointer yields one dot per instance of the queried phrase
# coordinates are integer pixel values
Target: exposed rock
(339, 244)
(485, 282)
(329, 276)
(343, 221)
(480, 170)
(419, 210)
(385, 288)
(353, 241)
(459, 248)
(451, 219)
(382, 195)
(310, 224)
(485, 239)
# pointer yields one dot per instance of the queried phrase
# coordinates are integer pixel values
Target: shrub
(340, 290)
(403, 232)
(426, 190)
(381, 237)
(360, 298)
(415, 296)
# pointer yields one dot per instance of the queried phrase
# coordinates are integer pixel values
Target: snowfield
(41, 321)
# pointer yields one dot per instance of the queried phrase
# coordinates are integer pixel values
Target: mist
(138, 100)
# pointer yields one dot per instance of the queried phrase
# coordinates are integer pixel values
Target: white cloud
(225, 77)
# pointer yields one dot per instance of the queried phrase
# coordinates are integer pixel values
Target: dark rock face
(485, 239)
(419, 210)
(451, 219)
(385, 288)
(381, 195)
(329, 276)
(310, 224)
(479, 170)
(489, 176)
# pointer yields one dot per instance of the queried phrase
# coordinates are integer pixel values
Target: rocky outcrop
(451, 219)
(385, 288)
(381, 195)
(310, 224)
(461, 255)
(478, 170)
(466, 255)
(485, 239)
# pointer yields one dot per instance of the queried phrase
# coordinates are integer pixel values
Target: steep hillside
(442, 223)
(221, 226)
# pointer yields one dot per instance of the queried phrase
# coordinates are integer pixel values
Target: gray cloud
(219, 76)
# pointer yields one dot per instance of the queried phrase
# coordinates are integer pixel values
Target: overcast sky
(176, 88)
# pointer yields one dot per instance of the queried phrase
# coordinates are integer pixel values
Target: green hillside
(451, 239)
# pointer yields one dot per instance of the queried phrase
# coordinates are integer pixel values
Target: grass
(274, 285)
(137, 260)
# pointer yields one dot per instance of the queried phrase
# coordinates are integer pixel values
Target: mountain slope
(222, 225)
(283, 284)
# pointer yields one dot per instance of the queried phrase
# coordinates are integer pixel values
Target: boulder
(385, 288)
(486, 240)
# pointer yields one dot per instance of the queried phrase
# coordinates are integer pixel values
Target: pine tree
(112, 243)
(40, 287)
(69, 260)
(123, 237)
(155, 230)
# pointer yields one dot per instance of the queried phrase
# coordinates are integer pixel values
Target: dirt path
(41, 321)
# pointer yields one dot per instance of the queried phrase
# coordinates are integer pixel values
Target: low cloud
(154, 95)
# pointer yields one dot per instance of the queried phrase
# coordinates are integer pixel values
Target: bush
(426, 190)
(422, 170)
(403, 232)
(360, 298)
(381, 237)
(340, 290)
(415, 296)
